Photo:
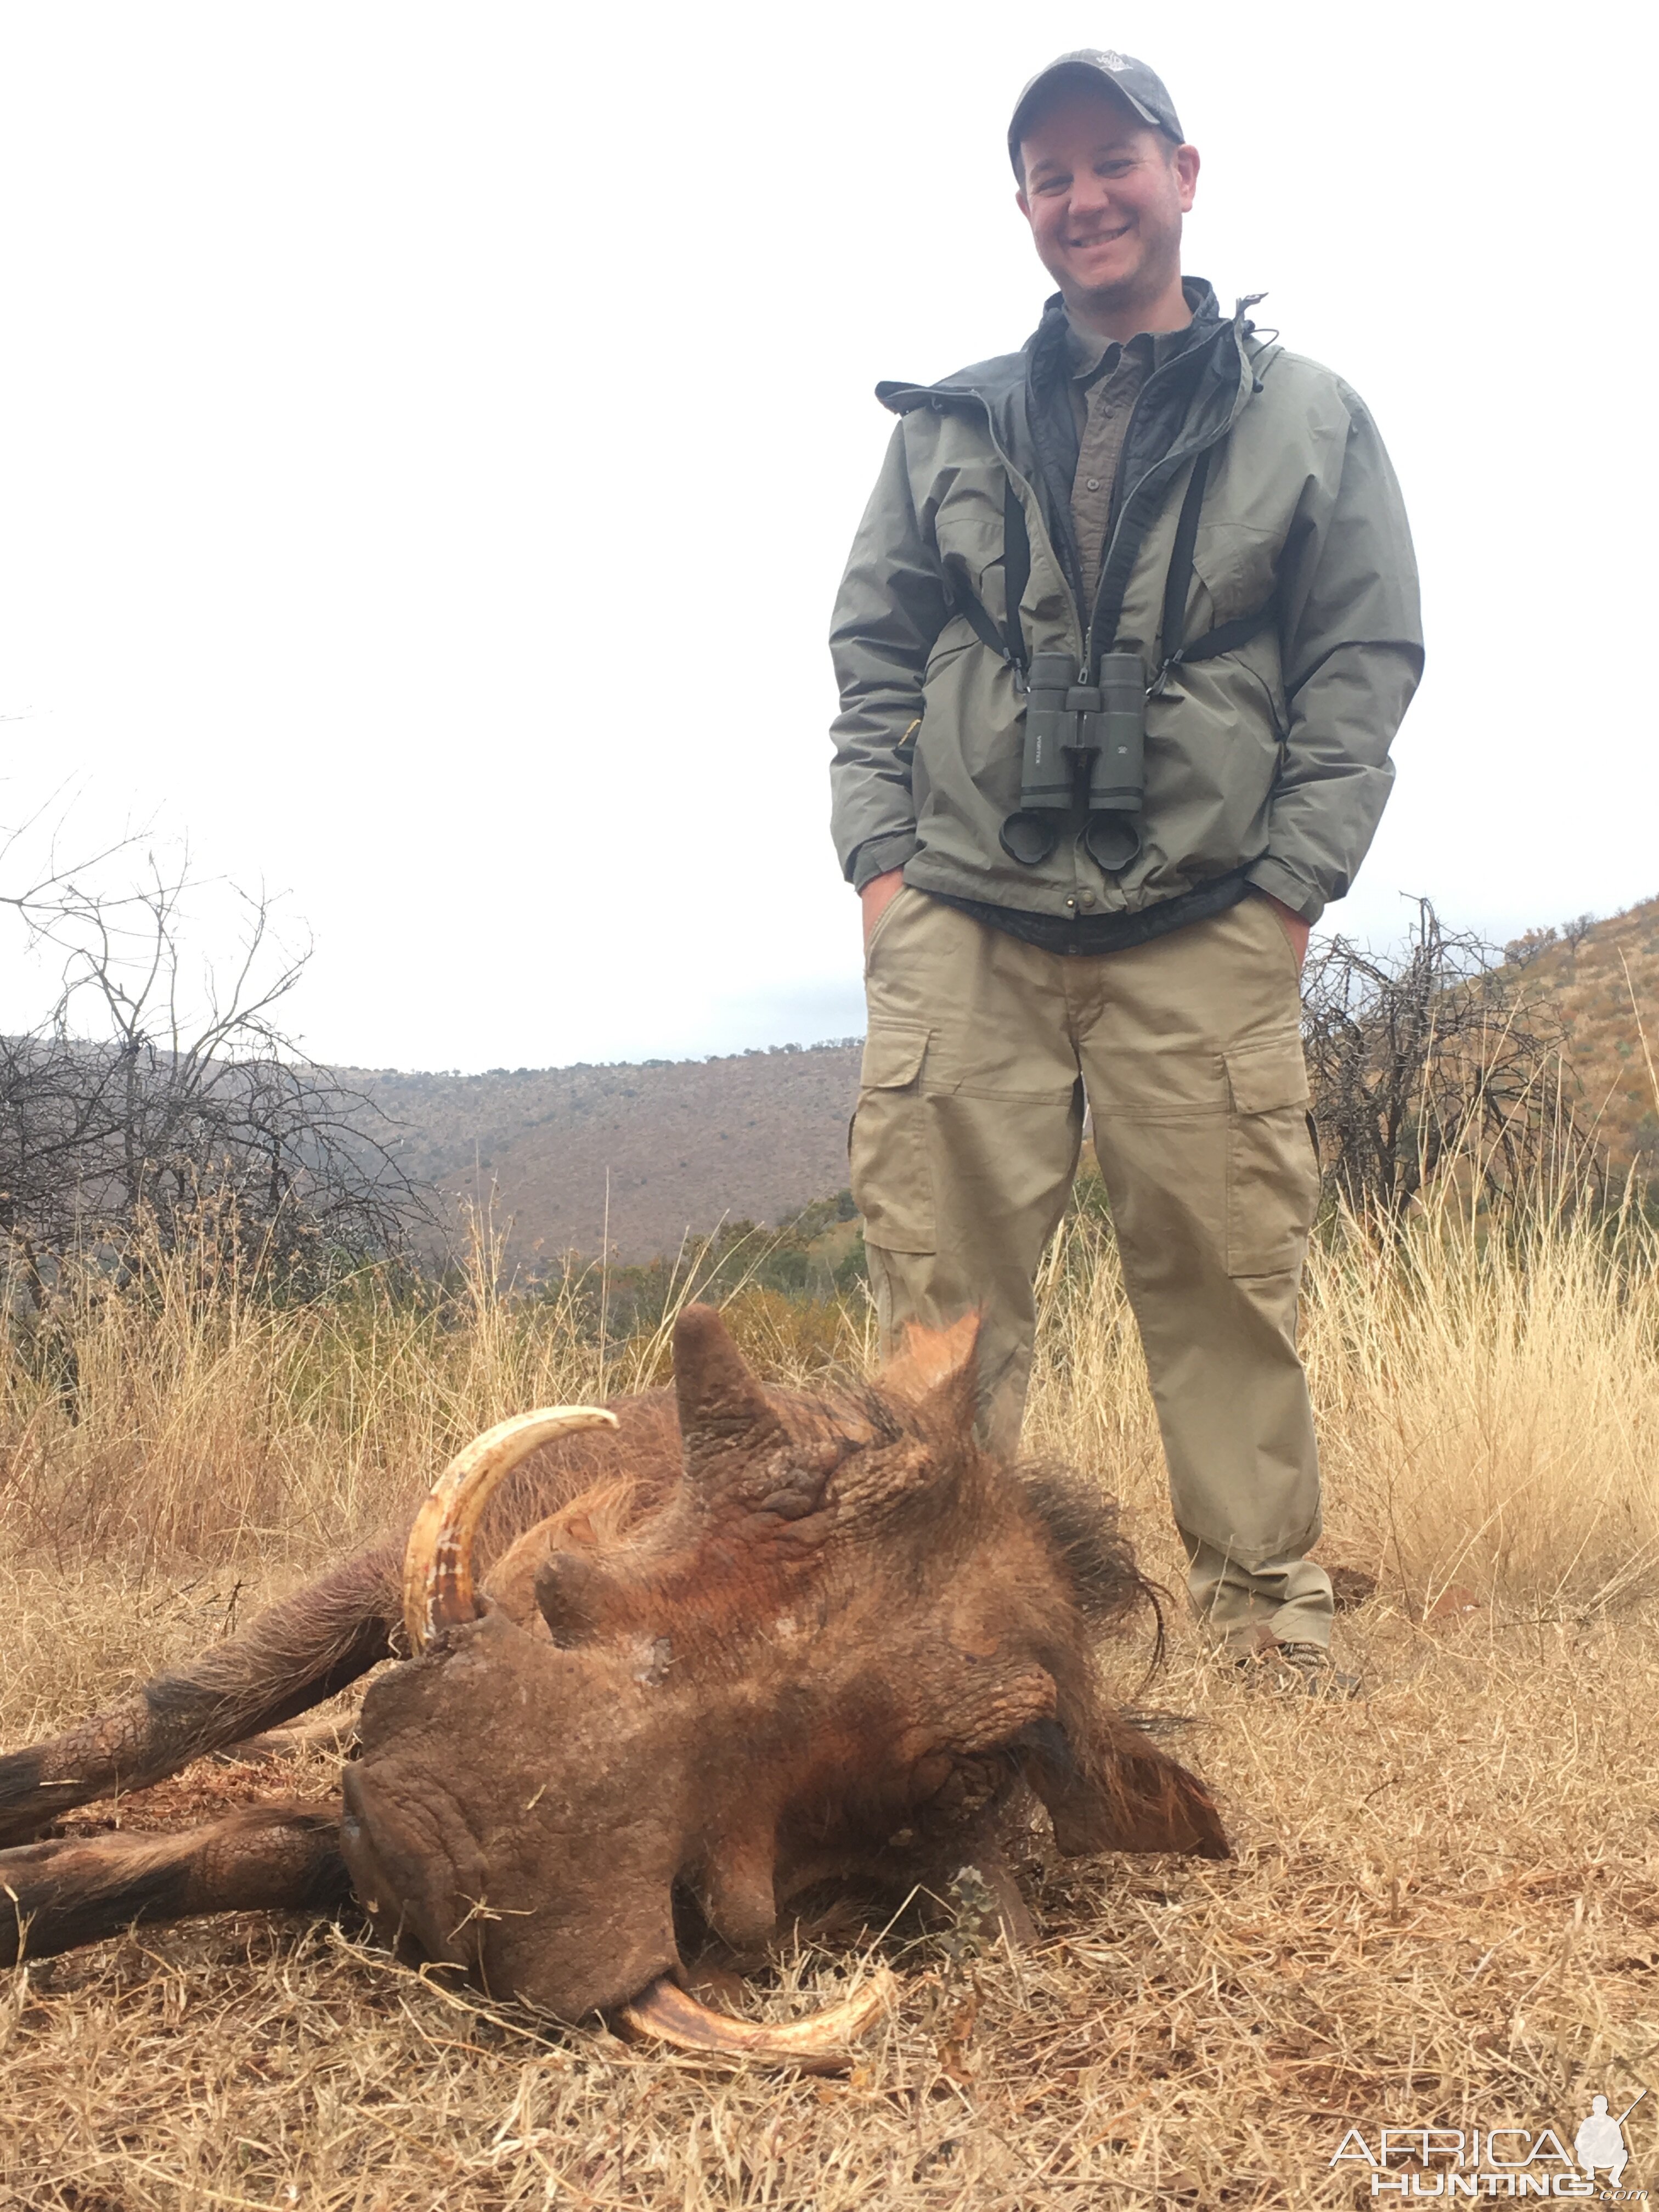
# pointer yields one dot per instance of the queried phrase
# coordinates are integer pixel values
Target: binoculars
(1085, 747)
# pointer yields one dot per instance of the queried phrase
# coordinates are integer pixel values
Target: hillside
(759, 1135)
(686, 1144)
(1601, 979)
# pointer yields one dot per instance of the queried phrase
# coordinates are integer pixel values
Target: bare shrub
(1430, 1058)
(149, 1106)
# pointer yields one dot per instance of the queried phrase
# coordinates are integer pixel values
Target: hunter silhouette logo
(1599, 2140)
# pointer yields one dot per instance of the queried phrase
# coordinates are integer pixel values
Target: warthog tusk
(438, 1561)
(817, 2045)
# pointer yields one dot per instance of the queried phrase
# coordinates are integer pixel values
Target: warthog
(733, 1645)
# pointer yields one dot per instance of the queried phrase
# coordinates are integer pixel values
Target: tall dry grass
(1487, 1395)
(183, 1413)
(1487, 1398)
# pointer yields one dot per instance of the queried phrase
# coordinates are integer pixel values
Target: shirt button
(1071, 903)
(1085, 898)
(1094, 483)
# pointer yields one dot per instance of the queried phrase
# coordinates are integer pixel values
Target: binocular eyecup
(1085, 745)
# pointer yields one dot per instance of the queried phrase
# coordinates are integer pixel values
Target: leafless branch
(123, 1108)
(1433, 1060)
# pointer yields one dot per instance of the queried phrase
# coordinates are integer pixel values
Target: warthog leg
(273, 1857)
(289, 1657)
(336, 1732)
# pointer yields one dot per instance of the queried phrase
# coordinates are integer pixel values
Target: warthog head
(833, 1650)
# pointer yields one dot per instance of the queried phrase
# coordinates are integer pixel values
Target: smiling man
(1126, 633)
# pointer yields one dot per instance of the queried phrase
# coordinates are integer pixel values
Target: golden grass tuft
(1444, 1908)
(1485, 1398)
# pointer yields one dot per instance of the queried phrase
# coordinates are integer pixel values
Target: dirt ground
(1444, 1912)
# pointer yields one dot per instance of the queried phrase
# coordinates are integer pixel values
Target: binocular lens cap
(1111, 841)
(1029, 839)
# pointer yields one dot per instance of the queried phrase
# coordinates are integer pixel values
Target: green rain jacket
(1268, 766)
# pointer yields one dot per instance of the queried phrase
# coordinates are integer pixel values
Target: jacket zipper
(1180, 462)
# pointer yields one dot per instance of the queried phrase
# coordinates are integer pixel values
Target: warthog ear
(722, 1407)
(929, 1357)
(1129, 1796)
(938, 1367)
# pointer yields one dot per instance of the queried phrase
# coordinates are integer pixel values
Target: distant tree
(1430, 1058)
(1522, 952)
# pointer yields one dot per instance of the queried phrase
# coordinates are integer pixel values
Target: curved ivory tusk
(817, 2045)
(438, 1559)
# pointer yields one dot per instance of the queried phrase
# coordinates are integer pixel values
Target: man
(1127, 630)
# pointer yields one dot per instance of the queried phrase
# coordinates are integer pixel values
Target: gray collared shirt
(1105, 383)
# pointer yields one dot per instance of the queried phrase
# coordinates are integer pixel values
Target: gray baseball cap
(1094, 66)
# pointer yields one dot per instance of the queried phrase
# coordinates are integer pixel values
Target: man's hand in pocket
(879, 894)
(1289, 921)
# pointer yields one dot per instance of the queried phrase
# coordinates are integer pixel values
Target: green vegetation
(817, 1256)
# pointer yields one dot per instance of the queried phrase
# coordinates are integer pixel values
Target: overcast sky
(429, 438)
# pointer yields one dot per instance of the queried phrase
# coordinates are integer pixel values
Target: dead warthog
(734, 1645)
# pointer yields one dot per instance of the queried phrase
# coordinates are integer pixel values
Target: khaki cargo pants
(980, 1052)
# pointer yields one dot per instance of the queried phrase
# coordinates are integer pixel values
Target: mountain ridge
(636, 1154)
(632, 1154)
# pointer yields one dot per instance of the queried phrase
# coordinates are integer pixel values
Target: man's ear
(1186, 168)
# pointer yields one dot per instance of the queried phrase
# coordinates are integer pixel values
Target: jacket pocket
(1237, 567)
(1272, 1173)
(892, 1185)
(1278, 714)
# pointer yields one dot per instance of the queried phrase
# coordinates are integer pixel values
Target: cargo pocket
(887, 1142)
(1272, 1170)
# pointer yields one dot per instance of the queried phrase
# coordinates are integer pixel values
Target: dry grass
(188, 1419)
(1444, 1907)
(1486, 1402)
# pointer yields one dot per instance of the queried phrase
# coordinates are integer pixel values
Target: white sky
(429, 438)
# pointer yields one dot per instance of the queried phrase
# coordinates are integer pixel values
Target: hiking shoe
(1306, 1670)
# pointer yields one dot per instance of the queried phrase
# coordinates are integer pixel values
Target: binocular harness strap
(1225, 637)
(1009, 643)
(1097, 713)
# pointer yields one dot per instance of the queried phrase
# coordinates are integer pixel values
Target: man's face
(1104, 194)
